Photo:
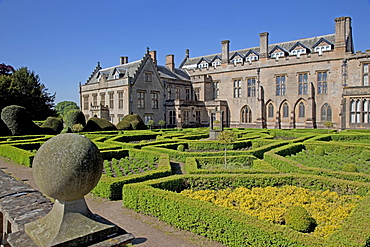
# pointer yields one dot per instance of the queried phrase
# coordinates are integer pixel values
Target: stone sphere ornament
(67, 167)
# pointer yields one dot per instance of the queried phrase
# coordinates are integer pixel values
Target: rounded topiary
(349, 168)
(67, 167)
(136, 122)
(52, 125)
(180, 148)
(98, 124)
(319, 151)
(299, 219)
(74, 117)
(18, 120)
(4, 130)
(123, 125)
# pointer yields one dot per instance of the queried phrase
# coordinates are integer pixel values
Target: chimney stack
(170, 62)
(187, 53)
(225, 51)
(264, 45)
(123, 60)
(343, 34)
(153, 55)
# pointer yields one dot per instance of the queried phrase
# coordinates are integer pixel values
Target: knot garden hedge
(259, 158)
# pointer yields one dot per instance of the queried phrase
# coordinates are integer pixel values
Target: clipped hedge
(276, 159)
(17, 155)
(232, 228)
(111, 188)
(98, 124)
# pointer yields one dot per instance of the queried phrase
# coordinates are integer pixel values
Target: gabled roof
(204, 59)
(307, 42)
(236, 54)
(298, 44)
(277, 47)
(322, 40)
(251, 52)
(215, 58)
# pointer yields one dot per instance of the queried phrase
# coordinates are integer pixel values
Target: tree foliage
(65, 106)
(226, 137)
(6, 69)
(23, 88)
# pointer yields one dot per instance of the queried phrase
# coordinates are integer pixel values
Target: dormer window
(116, 75)
(276, 55)
(322, 45)
(203, 65)
(251, 58)
(216, 63)
(237, 60)
(323, 48)
(298, 52)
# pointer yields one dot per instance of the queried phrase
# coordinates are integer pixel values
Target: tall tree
(65, 106)
(6, 69)
(23, 88)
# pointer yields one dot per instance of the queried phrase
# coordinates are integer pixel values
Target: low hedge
(229, 227)
(17, 155)
(276, 159)
(111, 188)
(193, 164)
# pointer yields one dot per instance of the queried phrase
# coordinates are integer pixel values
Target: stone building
(294, 84)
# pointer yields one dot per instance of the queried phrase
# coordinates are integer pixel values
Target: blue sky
(62, 41)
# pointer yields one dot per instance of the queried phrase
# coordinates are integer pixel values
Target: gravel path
(148, 231)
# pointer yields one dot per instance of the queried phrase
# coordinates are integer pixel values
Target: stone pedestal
(214, 133)
(69, 223)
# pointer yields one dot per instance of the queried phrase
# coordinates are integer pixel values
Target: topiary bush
(180, 148)
(98, 124)
(18, 120)
(136, 122)
(319, 151)
(52, 125)
(74, 117)
(349, 168)
(299, 219)
(123, 125)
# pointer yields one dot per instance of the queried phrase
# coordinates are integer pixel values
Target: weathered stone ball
(67, 167)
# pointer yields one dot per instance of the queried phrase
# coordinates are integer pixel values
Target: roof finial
(98, 64)
(147, 49)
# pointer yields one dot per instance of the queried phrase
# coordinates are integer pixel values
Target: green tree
(23, 88)
(65, 106)
(150, 123)
(328, 124)
(162, 123)
(226, 137)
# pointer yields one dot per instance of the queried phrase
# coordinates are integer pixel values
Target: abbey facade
(294, 84)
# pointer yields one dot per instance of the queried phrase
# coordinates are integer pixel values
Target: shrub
(180, 148)
(319, 151)
(299, 219)
(124, 125)
(135, 120)
(350, 168)
(98, 124)
(77, 128)
(52, 125)
(74, 117)
(18, 120)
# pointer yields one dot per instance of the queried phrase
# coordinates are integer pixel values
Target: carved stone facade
(294, 84)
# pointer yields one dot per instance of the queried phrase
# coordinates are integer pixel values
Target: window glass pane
(366, 80)
(366, 68)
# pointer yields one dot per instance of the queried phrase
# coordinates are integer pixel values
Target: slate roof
(123, 69)
(132, 68)
(308, 42)
(178, 74)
